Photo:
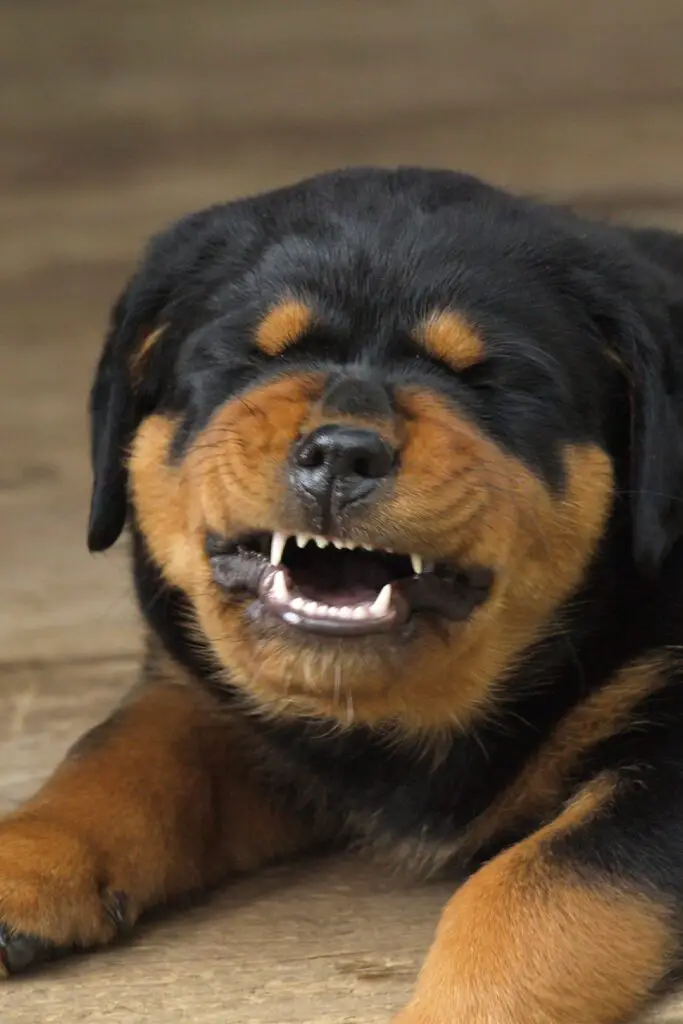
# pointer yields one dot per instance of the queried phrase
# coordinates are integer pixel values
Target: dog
(400, 456)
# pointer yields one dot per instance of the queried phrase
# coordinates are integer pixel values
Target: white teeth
(277, 547)
(279, 587)
(382, 602)
(279, 540)
(280, 593)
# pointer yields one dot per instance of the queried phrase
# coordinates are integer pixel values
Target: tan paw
(54, 894)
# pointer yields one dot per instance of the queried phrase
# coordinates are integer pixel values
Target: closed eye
(482, 375)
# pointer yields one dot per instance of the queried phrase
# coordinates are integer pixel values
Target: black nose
(337, 465)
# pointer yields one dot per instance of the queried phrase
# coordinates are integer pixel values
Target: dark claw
(116, 905)
(18, 952)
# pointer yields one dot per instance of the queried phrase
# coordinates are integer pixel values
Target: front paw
(54, 893)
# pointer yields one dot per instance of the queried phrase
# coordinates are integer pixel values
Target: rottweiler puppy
(401, 460)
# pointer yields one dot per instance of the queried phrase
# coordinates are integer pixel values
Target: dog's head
(374, 428)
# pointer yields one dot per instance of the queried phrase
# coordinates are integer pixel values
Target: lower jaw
(397, 621)
(334, 617)
(264, 616)
(413, 599)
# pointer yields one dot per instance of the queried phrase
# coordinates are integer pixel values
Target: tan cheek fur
(458, 494)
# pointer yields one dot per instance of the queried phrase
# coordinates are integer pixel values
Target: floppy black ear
(650, 350)
(112, 422)
(125, 388)
(118, 401)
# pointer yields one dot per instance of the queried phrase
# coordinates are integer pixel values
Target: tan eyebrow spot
(137, 360)
(282, 326)
(447, 336)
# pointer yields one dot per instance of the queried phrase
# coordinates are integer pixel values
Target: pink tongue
(336, 598)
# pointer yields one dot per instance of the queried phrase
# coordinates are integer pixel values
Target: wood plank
(116, 118)
(326, 941)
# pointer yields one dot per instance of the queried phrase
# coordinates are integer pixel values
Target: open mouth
(339, 587)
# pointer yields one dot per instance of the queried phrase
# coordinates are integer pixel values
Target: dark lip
(450, 593)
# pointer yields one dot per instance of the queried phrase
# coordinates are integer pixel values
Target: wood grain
(116, 117)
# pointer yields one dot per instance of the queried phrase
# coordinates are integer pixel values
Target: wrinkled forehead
(425, 311)
(358, 357)
(378, 276)
(372, 282)
(441, 300)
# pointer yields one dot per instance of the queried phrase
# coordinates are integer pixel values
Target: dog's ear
(118, 401)
(131, 373)
(648, 347)
(636, 308)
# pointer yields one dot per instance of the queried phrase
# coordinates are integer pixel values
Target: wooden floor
(117, 116)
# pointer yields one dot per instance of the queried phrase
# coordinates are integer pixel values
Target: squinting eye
(482, 375)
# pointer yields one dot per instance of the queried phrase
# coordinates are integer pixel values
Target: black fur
(372, 250)
(583, 326)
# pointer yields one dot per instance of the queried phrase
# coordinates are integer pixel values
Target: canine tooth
(279, 587)
(321, 542)
(297, 603)
(302, 540)
(418, 564)
(277, 547)
(382, 602)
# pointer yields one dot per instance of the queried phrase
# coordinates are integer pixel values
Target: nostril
(363, 467)
(375, 465)
(311, 456)
(341, 463)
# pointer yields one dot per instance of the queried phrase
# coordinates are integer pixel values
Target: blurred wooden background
(115, 117)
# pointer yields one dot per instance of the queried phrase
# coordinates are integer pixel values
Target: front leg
(156, 802)
(577, 924)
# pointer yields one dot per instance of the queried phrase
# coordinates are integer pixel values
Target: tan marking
(458, 496)
(139, 356)
(525, 940)
(447, 336)
(283, 326)
(231, 480)
(161, 497)
(538, 788)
